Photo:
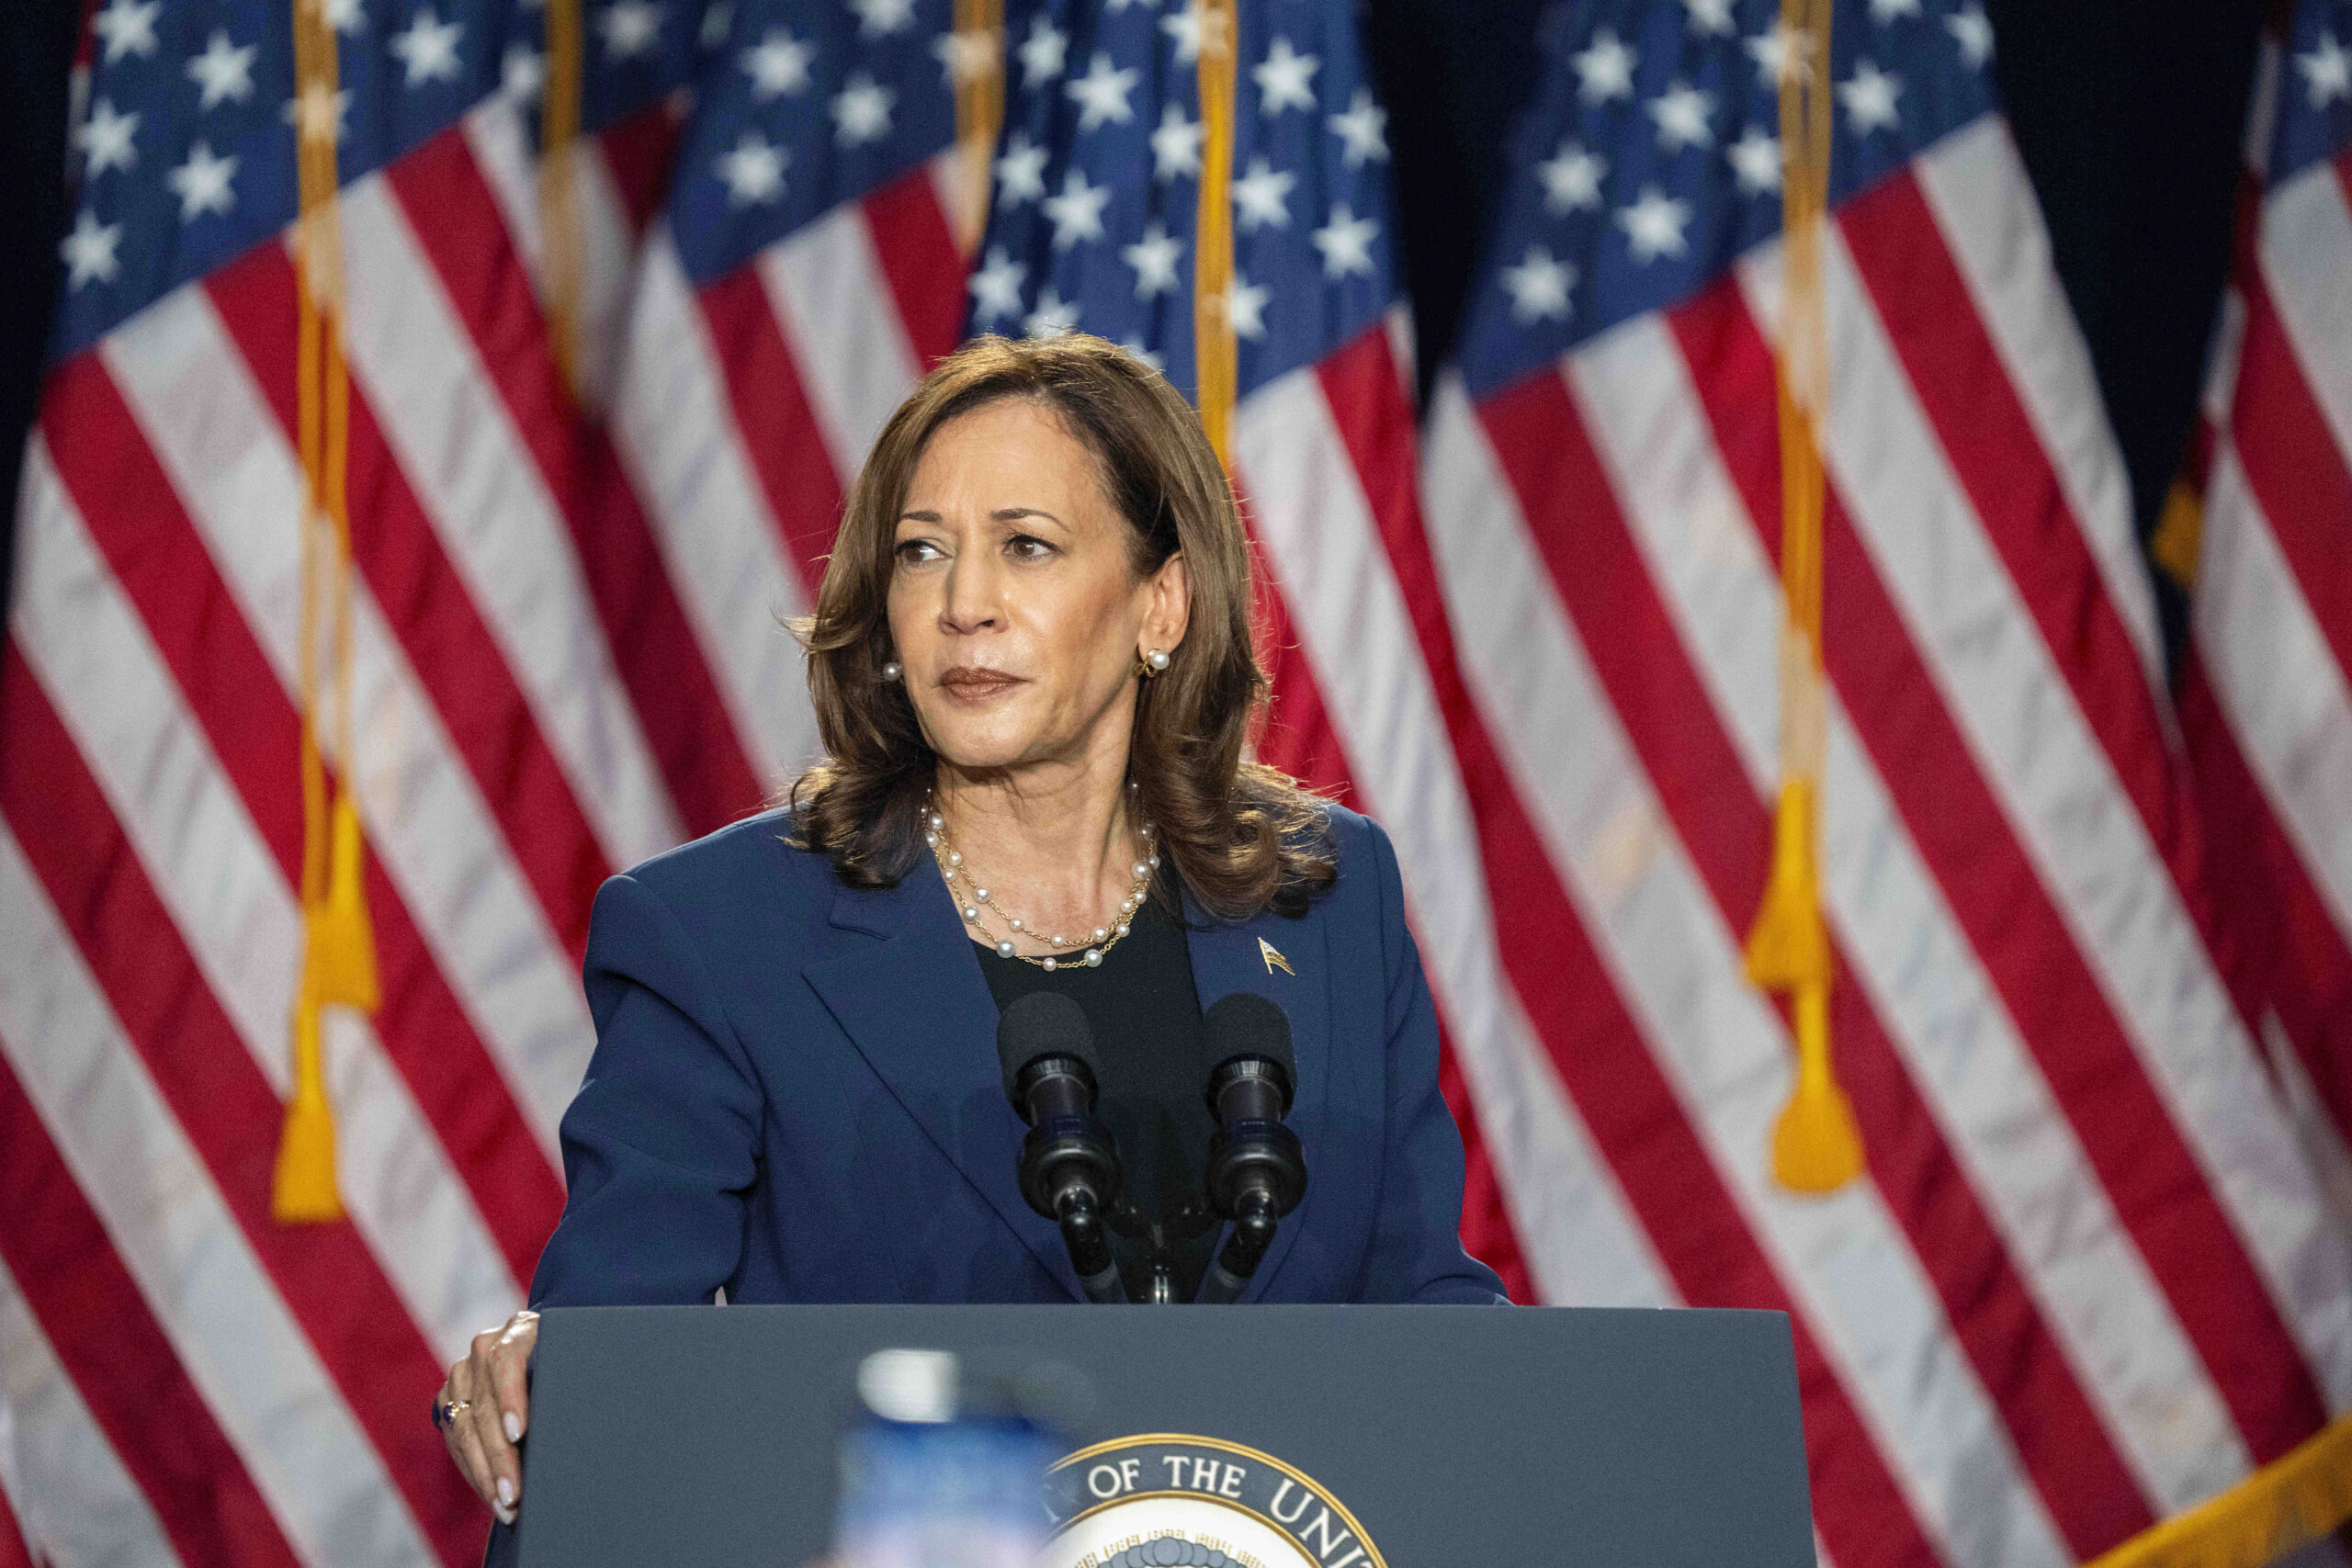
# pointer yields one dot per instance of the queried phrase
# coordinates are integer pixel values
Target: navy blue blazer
(795, 1094)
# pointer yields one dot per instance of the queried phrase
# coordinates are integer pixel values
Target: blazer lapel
(1251, 957)
(917, 1007)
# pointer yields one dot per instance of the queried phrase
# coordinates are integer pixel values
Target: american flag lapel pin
(1274, 960)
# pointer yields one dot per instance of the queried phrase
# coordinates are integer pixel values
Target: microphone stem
(1090, 1246)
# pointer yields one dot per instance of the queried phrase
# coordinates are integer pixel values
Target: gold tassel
(1214, 360)
(1817, 1144)
(977, 70)
(303, 1189)
(2180, 529)
(338, 938)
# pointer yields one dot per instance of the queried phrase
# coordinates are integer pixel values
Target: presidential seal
(1169, 1500)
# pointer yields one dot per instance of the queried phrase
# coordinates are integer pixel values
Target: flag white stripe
(834, 308)
(677, 435)
(504, 535)
(1990, 224)
(963, 199)
(2288, 700)
(1308, 504)
(1998, 681)
(1677, 968)
(69, 1489)
(79, 1508)
(241, 920)
(424, 816)
(1984, 1086)
(245, 1353)
(2305, 237)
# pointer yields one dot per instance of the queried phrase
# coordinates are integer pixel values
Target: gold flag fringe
(2287, 1504)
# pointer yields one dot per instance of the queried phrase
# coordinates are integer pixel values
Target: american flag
(2266, 682)
(2086, 1280)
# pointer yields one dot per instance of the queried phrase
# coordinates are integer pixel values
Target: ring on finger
(445, 1415)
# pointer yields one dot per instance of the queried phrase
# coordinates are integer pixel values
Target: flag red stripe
(776, 426)
(1985, 434)
(328, 1277)
(1671, 719)
(121, 1362)
(14, 1553)
(2294, 466)
(1665, 1168)
(455, 216)
(426, 606)
(135, 521)
(637, 149)
(917, 254)
(1955, 818)
(2270, 900)
(1369, 409)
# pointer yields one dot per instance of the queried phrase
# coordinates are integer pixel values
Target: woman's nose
(972, 594)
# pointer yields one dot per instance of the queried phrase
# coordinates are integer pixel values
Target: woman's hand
(493, 1410)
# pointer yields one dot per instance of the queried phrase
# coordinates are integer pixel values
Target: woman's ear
(1171, 604)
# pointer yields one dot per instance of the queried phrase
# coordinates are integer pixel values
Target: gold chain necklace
(972, 899)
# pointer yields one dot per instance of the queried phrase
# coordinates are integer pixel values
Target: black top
(1145, 1016)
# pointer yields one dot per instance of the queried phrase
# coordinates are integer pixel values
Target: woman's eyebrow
(1014, 513)
(917, 516)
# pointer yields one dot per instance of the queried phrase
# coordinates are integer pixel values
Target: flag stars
(1175, 144)
(1054, 316)
(861, 110)
(1194, 28)
(1076, 210)
(965, 54)
(1284, 79)
(427, 49)
(1869, 95)
(995, 287)
(1346, 244)
(629, 27)
(316, 114)
(223, 73)
(1043, 54)
(105, 140)
(1363, 131)
(1539, 286)
(1974, 32)
(1709, 19)
(1783, 54)
(1604, 68)
(88, 251)
(753, 170)
(1885, 11)
(346, 16)
(1261, 197)
(1020, 171)
(1245, 309)
(777, 65)
(523, 73)
(126, 27)
(1653, 225)
(1101, 93)
(1154, 260)
(202, 183)
(2327, 71)
(716, 23)
(1571, 179)
(1756, 160)
(1681, 114)
(880, 19)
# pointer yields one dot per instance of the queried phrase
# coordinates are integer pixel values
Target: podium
(1342, 1436)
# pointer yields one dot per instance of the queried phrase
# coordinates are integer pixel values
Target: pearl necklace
(971, 899)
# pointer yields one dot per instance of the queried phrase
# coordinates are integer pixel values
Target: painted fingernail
(513, 1428)
(506, 1515)
(505, 1492)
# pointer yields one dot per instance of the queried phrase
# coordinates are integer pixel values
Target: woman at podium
(1033, 675)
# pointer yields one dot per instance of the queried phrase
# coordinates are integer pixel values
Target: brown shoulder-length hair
(1243, 837)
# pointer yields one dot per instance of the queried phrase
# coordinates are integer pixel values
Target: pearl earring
(891, 670)
(1151, 663)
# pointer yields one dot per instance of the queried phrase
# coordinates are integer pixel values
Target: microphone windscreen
(1043, 1023)
(1247, 1024)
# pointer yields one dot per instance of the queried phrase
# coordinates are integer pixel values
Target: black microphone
(1257, 1171)
(1069, 1169)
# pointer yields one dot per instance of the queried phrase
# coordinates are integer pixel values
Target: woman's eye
(914, 552)
(1028, 546)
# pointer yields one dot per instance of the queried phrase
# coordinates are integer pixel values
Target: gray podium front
(1409, 1437)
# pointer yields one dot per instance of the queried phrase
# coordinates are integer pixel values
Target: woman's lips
(970, 684)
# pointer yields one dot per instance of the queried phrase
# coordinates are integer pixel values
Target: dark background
(2128, 112)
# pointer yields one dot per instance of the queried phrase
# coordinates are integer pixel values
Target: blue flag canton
(1651, 159)
(1097, 183)
(804, 107)
(2315, 90)
(185, 157)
